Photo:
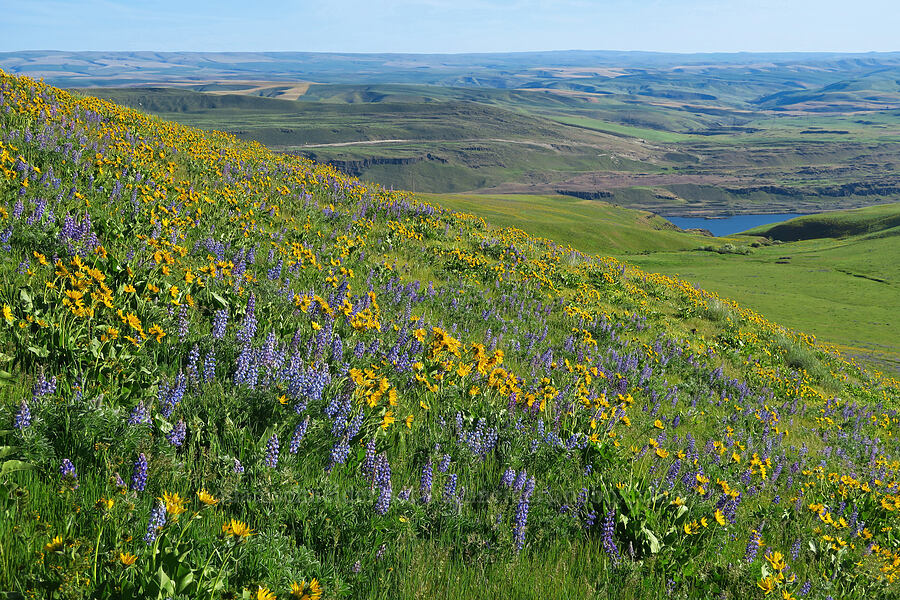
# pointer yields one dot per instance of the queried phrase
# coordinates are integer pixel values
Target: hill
(874, 221)
(230, 373)
(591, 226)
(842, 290)
(671, 158)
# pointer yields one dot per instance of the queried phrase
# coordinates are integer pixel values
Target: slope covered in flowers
(229, 373)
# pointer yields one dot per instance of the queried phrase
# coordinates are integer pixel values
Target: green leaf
(39, 352)
(652, 539)
(165, 583)
(220, 301)
(12, 466)
(25, 298)
(7, 450)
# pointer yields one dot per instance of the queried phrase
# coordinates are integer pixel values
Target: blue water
(730, 225)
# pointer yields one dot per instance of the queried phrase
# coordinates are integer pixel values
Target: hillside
(844, 290)
(229, 373)
(874, 221)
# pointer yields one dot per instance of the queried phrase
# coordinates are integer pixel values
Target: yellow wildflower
(767, 584)
(263, 593)
(174, 503)
(207, 498)
(158, 332)
(55, 544)
(237, 529)
(304, 591)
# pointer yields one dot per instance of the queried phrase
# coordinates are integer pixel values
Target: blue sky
(451, 25)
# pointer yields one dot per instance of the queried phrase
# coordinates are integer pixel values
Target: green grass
(843, 291)
(591, 226)
(872, 220)
(617, 129)
(846, 292)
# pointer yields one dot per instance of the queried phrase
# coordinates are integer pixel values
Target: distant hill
(722, 77)
(876, 91)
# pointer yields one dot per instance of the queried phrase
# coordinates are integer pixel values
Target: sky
(451, 26)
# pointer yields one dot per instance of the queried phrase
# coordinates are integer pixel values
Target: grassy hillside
(845, 291)
(234, 374)
(592, 226)
(877, 221)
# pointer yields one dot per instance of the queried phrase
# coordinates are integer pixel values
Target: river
(720, 226)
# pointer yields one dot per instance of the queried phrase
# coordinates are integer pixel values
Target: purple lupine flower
(43, 387)
(404, 494)
(248, 330)
(672, 473)
(138, 414)
(23, 417)
(178, 433)
(339, 452)
(139, 474)
(193, 359)
(157, 522)
(220, 322)
(806, 588)
(382, 481)
(238, 468)
(752, 546)
(609, 531)
(508, 477)
(521, 518)
(444, 464)
(795, 549)
(67, 469)
(425, 482)
(450, 488)
(520, 480)
(272, 451)
(368, 464)
(299, 434)
(357, 567)
(209, 367)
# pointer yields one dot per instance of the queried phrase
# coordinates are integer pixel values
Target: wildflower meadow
(230, 373)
